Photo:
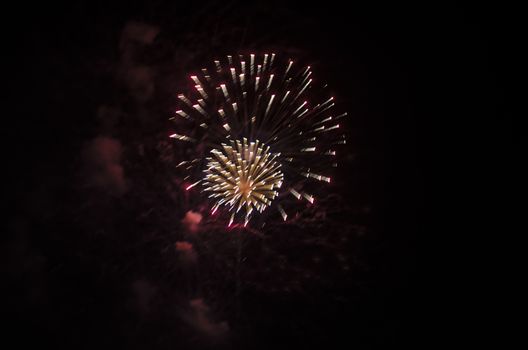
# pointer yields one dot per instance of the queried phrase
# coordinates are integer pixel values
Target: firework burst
(262, 138)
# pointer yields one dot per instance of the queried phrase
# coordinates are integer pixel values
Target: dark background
(90, 265)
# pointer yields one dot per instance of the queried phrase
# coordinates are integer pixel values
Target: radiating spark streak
(325, 103)
(196, 80)
(265, 61)
(201, 91)
(331, 128)
(283, 213)
(214, 209)
(185, 100)
(183, 114)
(323, 121)
(182, 137)
(306, 77)
(233, 75)
(202, 103)
(200, 109)
(285, 96)
(316, 176)
(192, 185)
(326, 108)
(308, 197)
(224, 91)
(269, 81)
(269, 104)
(288, 68)
(304, 88)
(295, 193)
(299, 108)
(303, 113)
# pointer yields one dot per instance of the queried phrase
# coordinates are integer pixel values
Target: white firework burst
(241, 109)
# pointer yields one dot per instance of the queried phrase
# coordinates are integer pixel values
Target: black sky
(89, 267)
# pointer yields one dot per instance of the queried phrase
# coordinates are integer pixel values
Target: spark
(269, 81)
(185, 99)
(283, 213)
(182, 137)
(295, 193)
(192, 185)
(308, 197)
(183, 114)
(289, 66)
(200, 109)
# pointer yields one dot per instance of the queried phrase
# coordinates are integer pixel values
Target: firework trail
(264, 139)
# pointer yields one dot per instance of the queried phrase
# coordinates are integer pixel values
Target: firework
(262, 138)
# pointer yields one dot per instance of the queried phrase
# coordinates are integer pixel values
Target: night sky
(103, 247)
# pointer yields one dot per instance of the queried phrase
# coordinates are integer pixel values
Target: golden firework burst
(243, 175)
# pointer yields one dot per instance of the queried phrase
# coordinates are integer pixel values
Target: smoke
(136, 76)
(143, 294)
(191, 221)
(186, 252)
(198, 317)
(102, 160)
(137, 34)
